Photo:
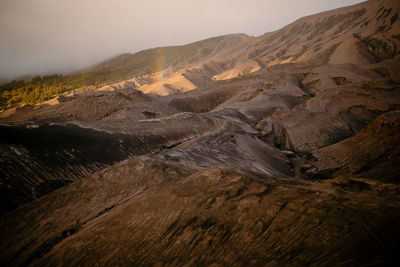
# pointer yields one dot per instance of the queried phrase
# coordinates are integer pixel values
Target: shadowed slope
(371, 153)
(159, 212)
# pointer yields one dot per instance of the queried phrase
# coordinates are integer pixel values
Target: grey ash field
(277, 150)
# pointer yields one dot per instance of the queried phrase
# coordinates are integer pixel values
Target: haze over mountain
(47, 37)
(276, 150)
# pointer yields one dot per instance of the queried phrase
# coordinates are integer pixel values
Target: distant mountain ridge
(359, 34)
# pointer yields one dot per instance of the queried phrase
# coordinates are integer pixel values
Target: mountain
(281, 149)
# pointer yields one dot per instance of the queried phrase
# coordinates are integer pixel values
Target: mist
(47, 36)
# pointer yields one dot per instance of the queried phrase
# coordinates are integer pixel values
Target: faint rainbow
(161, 63)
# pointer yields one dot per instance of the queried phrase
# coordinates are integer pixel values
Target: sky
(60, 36)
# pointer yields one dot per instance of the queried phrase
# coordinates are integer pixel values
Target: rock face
(281, 149)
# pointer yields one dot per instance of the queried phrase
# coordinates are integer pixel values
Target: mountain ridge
(239, 54)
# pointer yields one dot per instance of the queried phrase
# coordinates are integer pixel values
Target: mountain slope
(146, 212)
(360, 34)
(282, 150)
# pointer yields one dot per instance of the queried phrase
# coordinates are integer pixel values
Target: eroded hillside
(281, 149)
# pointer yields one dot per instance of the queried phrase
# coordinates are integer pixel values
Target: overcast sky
(50, 36)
